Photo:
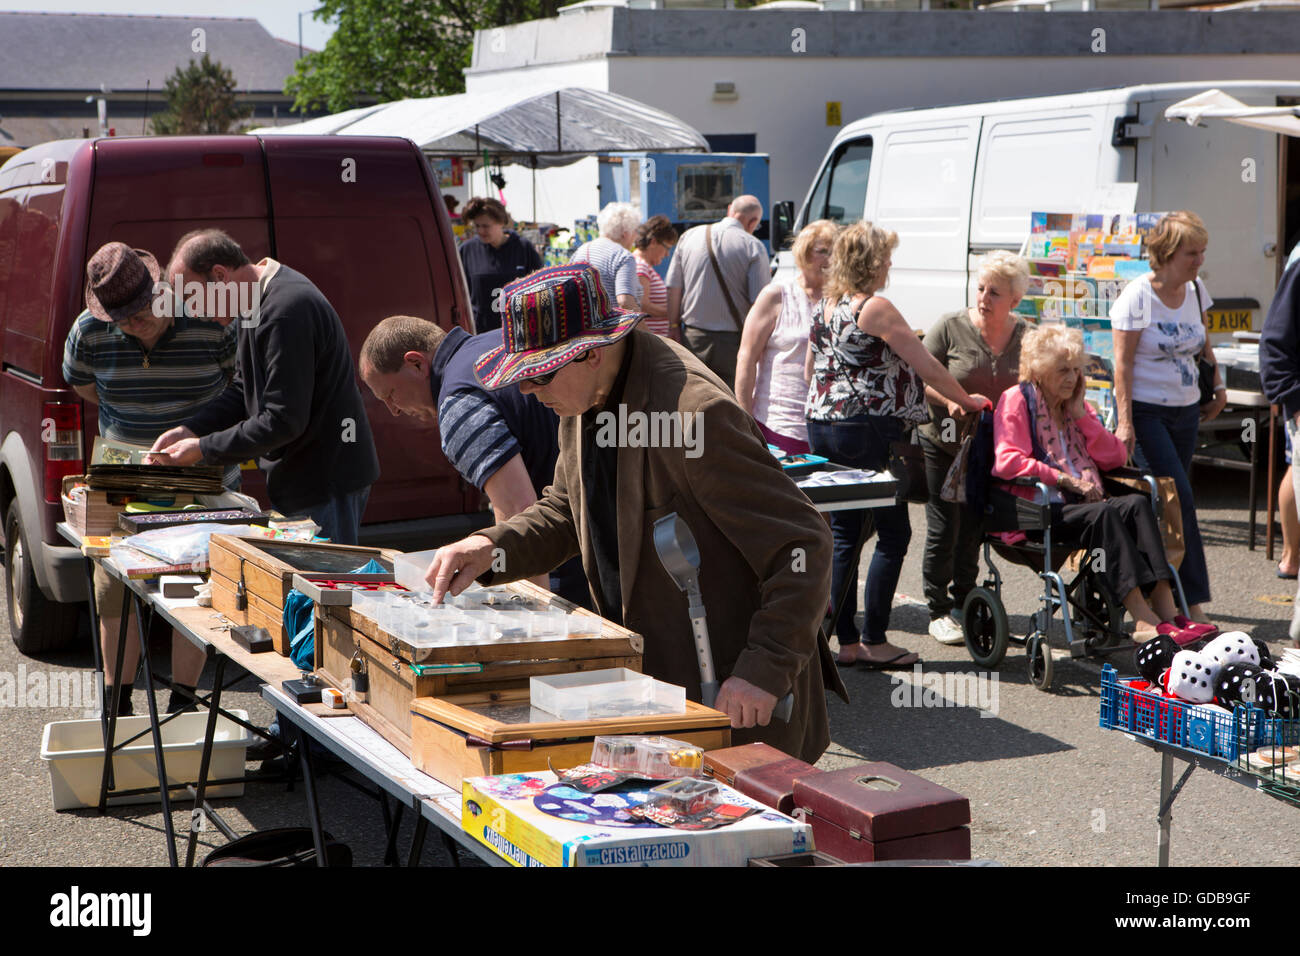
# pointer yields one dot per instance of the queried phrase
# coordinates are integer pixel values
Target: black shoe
(263, 749)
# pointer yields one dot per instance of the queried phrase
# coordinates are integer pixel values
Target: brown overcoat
(765, 552)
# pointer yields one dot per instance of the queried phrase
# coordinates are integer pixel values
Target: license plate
(1236, 320)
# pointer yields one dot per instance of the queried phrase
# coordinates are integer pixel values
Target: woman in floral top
(863, 362)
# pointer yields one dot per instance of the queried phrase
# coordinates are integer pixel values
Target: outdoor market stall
(516, 724)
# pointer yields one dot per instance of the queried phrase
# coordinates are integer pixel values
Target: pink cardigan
(1013, 456)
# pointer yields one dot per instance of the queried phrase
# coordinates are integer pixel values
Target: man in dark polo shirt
(294, 402)
(502, 442)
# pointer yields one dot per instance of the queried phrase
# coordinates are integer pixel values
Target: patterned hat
(120, 281)
(551, 317)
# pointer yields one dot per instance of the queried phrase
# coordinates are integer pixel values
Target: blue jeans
(1166, 439)
(863, 442)
(340, 517)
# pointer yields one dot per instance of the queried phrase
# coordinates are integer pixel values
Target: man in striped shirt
(147, 371)
(502, 442)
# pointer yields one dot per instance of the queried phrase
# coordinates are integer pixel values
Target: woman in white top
(770, 384)
(1158, 323)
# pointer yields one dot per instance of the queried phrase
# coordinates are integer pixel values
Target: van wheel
(37, 624)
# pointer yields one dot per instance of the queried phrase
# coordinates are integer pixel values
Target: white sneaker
(946, 631)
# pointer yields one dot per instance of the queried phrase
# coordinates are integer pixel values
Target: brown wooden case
(876, 811)
(396, 681)
(759, 771)
(460, 736)
(266, 567)
(98, 513)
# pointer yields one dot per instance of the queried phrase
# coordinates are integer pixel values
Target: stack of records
(195, 480)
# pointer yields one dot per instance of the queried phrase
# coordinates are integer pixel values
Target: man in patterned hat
(147, 371)
(647, 430)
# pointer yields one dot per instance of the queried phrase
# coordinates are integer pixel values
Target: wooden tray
(266, 568)
(396, 681)
(460, 736)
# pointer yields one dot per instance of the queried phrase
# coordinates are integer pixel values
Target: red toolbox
(875, 811)
(758, 771)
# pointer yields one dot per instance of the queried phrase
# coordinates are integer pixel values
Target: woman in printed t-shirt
(1159, 324)
(863, 362)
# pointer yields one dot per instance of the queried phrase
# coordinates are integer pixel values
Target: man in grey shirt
(710, 324)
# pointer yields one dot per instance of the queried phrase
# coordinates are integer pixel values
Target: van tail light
(61, 436)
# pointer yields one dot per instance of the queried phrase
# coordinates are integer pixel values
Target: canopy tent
(1215, 104)
(548, 127)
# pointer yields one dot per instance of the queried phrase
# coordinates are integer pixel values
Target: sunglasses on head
(543, 380)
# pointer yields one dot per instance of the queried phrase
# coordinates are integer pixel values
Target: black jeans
(1124, 531)
(952, 540)
(863, 442)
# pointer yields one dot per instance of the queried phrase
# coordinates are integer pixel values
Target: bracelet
(1220, 388)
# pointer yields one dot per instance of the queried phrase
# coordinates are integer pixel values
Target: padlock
(241, 597)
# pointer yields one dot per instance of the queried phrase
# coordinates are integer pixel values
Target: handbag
(954, 484)
(907, 466)
(1204, 367)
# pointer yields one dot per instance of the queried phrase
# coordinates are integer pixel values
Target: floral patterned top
(858, 374)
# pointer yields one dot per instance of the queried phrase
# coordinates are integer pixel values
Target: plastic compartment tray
(614, 692)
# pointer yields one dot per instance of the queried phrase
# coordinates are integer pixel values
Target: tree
(394, 49)
(200, 99)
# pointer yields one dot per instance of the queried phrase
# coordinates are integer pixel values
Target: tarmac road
(1046, 785)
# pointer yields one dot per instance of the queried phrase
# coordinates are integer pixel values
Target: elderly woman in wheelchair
(1052, 450)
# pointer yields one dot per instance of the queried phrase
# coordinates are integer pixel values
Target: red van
(359, 216)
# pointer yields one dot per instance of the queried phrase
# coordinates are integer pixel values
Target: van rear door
(921, 188)
(355, 216)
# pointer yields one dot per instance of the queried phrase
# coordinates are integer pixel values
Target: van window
(841, 192)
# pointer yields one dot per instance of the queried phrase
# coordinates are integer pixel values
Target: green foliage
(395, 49)
(200, 99)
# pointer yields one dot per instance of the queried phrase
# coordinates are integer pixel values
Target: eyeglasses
(137, 319)
(541, 381)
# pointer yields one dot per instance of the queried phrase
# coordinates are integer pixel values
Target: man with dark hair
(293, 403)
(492, 258)
(502, 442)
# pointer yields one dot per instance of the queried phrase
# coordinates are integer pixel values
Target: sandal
(905, 659)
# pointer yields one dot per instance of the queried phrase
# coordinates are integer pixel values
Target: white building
(783, 81)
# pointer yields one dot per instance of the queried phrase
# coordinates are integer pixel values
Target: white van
(955, 182)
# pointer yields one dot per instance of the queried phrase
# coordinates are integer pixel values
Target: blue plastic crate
(1191, 727)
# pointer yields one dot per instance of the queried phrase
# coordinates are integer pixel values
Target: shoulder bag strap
(722, 283)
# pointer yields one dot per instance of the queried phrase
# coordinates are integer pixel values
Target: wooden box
(266, 568)
(493, 732)
(396, 681)
(97, 513)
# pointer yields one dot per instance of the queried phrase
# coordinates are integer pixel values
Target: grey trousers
(717, 350)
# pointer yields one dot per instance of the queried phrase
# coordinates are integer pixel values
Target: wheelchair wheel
(1104, 617)
(1039, 653)
(984, 625)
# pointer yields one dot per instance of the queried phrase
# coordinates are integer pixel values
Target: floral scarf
(1064, 449)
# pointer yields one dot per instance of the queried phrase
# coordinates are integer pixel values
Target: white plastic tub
(74, 752)
(613, 692)
(409, 569)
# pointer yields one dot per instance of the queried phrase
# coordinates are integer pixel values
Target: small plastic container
(614, 692)
(686, 795)
(655, 758)
(583, 625)
(550, 624)
(409, 570)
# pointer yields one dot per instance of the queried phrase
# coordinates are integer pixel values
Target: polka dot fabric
(1233, 647)
(1153, 657)
(1191, 677)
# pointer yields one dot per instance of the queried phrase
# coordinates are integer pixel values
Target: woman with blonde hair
(1159, 327)
(770, 384)
(866, 367)
(981, 347)
(1044, 430)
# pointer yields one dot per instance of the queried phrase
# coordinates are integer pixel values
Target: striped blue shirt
(188, 367)
(617, 268)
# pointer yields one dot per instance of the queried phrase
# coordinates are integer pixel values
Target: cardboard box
(500, 813)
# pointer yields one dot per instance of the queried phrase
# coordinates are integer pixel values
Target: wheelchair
(1092, 617)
